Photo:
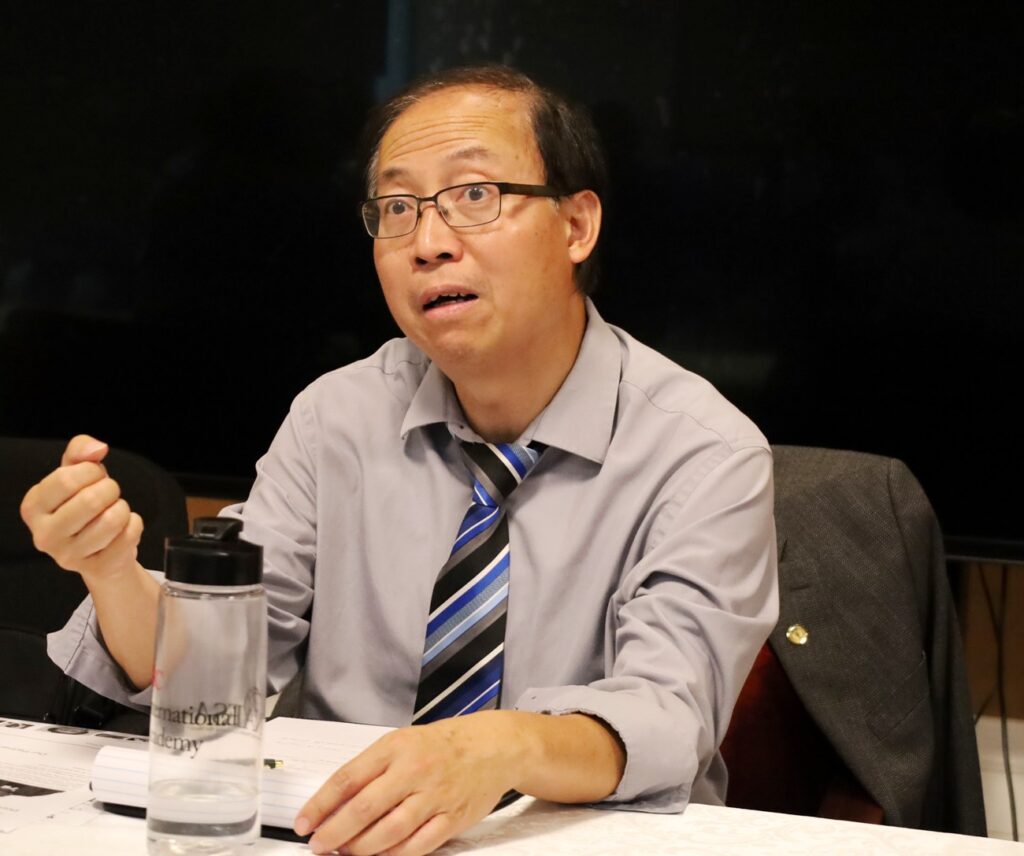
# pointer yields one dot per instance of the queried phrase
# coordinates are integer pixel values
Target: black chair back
(37, 597)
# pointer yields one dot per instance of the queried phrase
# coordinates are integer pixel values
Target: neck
(501, 403)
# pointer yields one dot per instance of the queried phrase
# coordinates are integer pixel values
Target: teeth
(449, 296)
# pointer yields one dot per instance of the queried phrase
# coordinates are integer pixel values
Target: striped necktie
(463, 656)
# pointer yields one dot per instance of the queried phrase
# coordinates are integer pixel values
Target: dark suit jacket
(882, 671)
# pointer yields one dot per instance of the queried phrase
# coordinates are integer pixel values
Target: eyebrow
(469, 153)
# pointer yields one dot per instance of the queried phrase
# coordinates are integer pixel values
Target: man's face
(513, 278)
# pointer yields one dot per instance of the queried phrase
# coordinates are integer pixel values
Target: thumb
(84, 448)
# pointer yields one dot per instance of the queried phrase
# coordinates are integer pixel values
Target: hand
(416, 787)
(77, 516)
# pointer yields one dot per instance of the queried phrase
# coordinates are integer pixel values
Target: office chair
(37, 596)
(857, 706)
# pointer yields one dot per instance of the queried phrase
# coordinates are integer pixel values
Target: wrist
(114, 579)
(518, 741)
(572, 757)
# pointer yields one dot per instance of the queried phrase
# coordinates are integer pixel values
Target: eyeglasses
(462, 205)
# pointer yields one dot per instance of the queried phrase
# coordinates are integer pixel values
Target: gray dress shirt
(643, 570)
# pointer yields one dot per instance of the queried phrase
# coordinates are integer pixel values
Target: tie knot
(498, 468)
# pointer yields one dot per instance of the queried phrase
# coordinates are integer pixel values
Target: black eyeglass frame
(504, 188)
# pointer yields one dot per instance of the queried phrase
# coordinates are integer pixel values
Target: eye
(477, 193)
(396, 207)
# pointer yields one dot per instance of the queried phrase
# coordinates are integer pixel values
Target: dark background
(817, 206)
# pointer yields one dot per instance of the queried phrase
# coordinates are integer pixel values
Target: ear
(582, 213)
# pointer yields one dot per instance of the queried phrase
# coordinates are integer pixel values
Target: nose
(434, 240)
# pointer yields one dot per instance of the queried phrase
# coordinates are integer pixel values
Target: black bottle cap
(213, 555)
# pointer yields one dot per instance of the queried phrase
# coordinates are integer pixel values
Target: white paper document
(45, 769)
(310, 751)
(53, 771)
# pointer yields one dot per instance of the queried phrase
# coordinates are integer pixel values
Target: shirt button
(797, 634)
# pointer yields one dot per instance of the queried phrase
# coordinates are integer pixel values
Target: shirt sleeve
(682, 631)
(78, 650)
(280, 515)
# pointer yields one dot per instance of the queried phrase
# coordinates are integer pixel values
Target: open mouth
(445, 299)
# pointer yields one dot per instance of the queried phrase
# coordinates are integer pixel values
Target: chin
(457, 356)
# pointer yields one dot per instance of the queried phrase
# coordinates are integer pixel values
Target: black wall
(818, 206)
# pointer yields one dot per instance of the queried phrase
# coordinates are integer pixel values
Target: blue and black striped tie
(463, 656)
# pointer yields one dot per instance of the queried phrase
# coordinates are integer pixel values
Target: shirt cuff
(78, 650)
(659, 771)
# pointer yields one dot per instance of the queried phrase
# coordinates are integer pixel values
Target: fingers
(74, 512)
(87, 505)
(58, 487)
(77, 516)
(427, 838)
(335, 792)
(84, 448)
(359, 795)
(411, 827)
(407, 794)
(344, 784)
(102, 530)
(124, 549)
(380, 815)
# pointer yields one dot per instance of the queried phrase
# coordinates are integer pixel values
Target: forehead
(461, 124)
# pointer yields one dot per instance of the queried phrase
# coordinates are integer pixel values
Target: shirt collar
(579, 419)
(434, 401)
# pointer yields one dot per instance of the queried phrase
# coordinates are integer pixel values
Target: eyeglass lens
(464, 205)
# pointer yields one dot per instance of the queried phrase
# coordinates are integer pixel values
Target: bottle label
(185, 729)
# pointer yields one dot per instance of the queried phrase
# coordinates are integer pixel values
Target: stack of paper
(310, 751)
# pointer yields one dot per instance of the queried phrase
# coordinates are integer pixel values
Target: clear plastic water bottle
(209, 695)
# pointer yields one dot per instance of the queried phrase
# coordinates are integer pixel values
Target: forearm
(126, 609)
(569, 759)
(417, 787)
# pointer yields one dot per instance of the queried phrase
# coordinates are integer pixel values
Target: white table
(531, 828)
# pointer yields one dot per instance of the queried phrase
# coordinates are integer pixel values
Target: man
(641, 578)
